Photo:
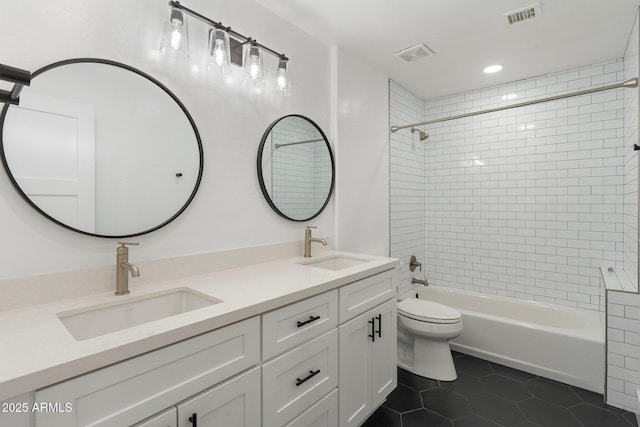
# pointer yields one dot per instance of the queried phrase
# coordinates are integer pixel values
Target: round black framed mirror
(101, 148)
(296, 170)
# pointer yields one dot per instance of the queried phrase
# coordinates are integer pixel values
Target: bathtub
(564, 344)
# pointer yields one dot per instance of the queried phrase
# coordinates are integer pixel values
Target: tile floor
(491, 395)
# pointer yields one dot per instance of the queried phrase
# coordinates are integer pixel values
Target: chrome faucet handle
(413, 263)
(310, 226)
(124, 244)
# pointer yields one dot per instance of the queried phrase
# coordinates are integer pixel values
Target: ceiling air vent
(525, 14)
(415, 53)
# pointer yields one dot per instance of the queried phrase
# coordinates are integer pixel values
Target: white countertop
(37, 350)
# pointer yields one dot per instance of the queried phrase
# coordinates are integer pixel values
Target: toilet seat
(428, 311)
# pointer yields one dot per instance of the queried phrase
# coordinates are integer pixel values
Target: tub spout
(415, 281)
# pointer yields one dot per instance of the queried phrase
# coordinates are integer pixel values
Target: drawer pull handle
(194, 419)
(311, 319)
(373, 329)
(307, 378)
(379, 317)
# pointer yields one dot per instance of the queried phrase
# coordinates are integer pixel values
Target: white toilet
(424, 331)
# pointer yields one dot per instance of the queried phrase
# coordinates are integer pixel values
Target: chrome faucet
(415, 281)
(308, 240)
(123, 267)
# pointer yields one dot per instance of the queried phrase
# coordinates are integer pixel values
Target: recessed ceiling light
(493, 69)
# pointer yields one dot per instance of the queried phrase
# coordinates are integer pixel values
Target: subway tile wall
(631, 70)
(623, 308)
(528, 202)
(623, 349)
(407, 175)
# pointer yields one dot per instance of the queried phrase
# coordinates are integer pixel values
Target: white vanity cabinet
(233, 403)
(368, 342)
(16, 412)
(308, 370)
(168, 418)
(130, 391)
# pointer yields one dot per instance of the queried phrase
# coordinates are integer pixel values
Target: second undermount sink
(105, 318)
(336, 262)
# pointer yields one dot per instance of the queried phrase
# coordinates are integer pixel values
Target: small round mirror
(295, 168)
(101, 148)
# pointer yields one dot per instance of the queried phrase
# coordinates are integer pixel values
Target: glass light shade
(253, 70)
(283, 80)
(219, 51)
(175, 38)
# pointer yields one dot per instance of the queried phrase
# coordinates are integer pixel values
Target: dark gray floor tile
(547, 414)
(446, 403)
(416, 382)
(592, 416)
(472, 365)
(505, 387)
(383, 417)
(474, 421)
(553, 392)
(631, 418)
(403, 399)
(495, 408)
(424, 418)
(466, 384)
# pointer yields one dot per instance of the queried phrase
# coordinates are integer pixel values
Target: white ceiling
(466, 36)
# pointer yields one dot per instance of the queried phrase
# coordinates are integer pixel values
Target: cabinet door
(384, 371)
(235, 403)
(355, 366)
(168, 418)
(16, 412)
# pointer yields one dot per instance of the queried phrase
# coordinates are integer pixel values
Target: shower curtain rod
(629, 83)
(296, 143)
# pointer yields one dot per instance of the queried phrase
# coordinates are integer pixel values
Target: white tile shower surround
(525, 202)
(623, 344)
(407, 183)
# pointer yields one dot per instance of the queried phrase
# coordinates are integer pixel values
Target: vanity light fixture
(225, 48)
(219, 50)
(283, 81)
(175, 38)
(253, 68)
(19, 78)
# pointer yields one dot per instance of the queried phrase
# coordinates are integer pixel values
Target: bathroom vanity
(293, 342)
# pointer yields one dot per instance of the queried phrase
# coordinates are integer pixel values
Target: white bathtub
(564, 344)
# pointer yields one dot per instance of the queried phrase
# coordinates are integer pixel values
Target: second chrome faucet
(308, 240)
(123, 268)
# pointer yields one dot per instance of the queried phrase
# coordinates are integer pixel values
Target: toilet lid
(428, 311)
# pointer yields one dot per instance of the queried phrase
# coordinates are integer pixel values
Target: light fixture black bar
(19, 77)
(231, 32)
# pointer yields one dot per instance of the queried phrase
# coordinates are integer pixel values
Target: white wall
(362, 157)
(229, 210)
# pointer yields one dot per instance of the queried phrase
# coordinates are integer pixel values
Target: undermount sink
(105, 318)
(336, 262)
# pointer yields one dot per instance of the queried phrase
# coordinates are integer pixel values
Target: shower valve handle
(413, 263)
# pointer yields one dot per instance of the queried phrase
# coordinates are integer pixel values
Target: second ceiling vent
(525, 14)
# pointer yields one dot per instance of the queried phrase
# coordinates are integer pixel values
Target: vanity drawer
(363, 295)
(322, 414)
(296, 380)
(289, 326)
(130, 391)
